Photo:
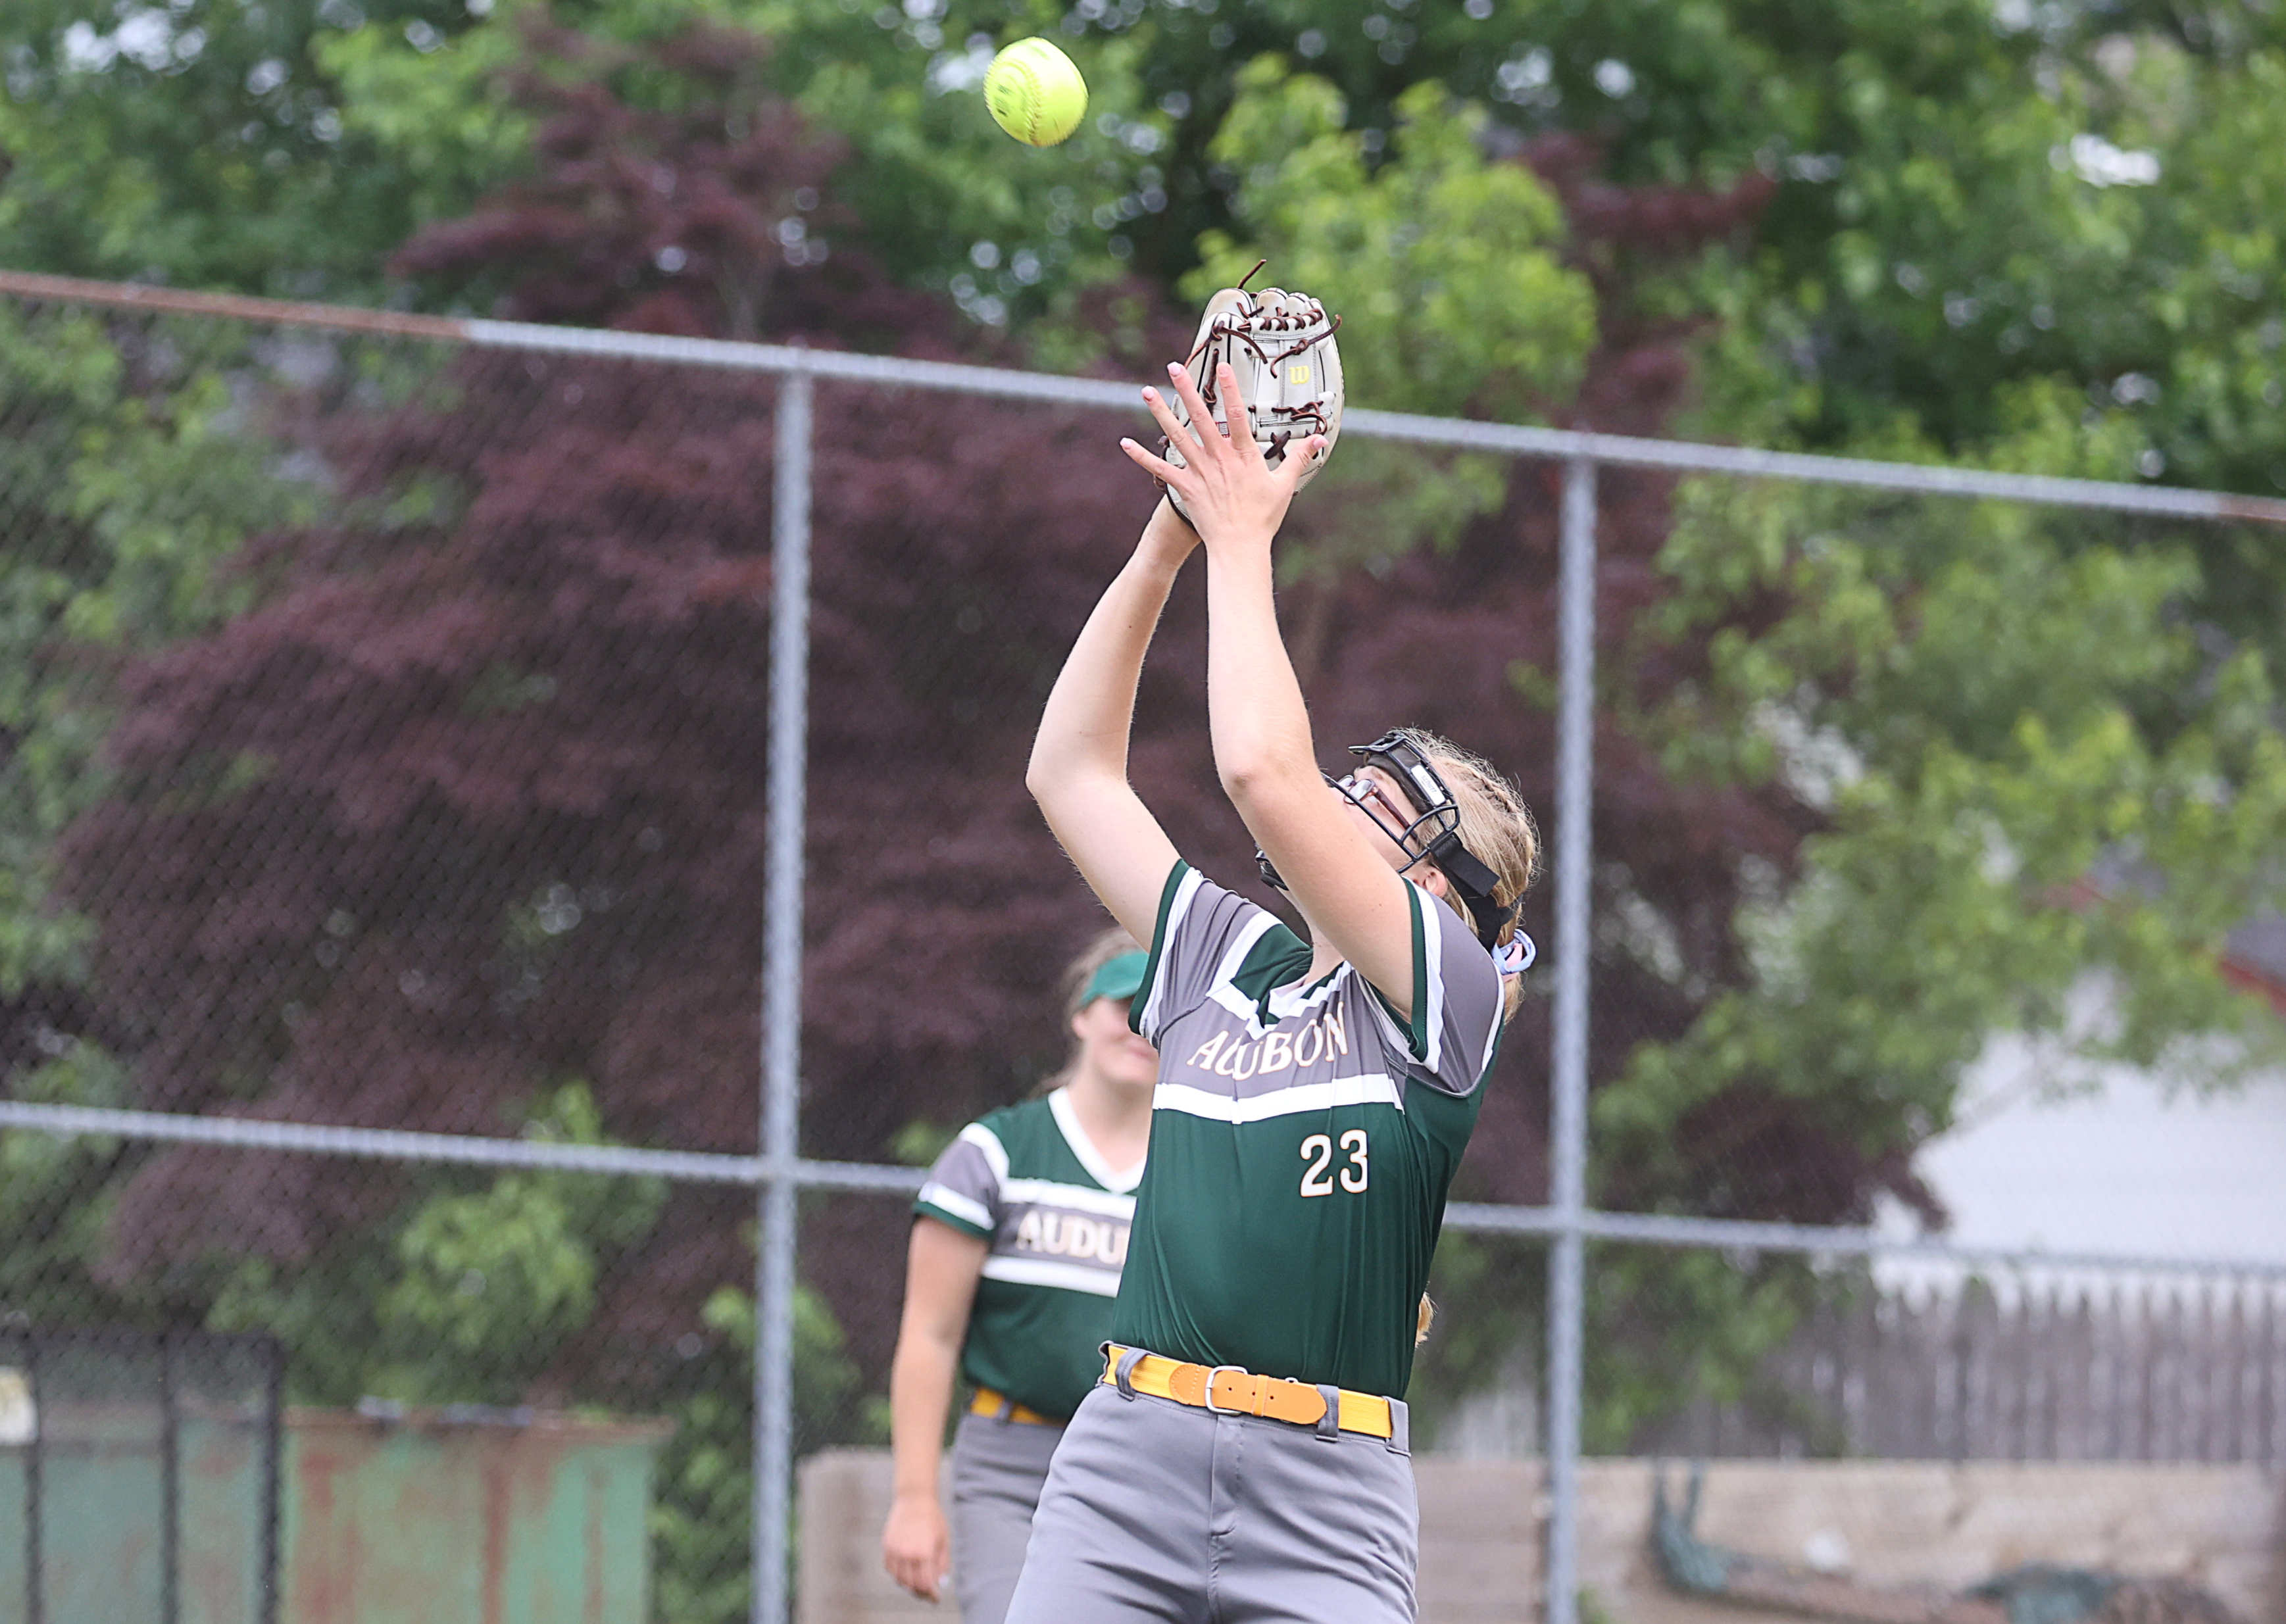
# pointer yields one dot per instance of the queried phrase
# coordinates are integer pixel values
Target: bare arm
(1263, 749)
(941, 1268)
(1078, 771)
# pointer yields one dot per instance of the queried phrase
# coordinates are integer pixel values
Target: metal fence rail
(890, 372)
(777, 1172)
(808, 1173)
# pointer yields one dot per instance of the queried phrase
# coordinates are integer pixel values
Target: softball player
(1016, 1248)
(1243, 1456)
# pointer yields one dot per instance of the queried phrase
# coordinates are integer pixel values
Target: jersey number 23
(1319, 1176)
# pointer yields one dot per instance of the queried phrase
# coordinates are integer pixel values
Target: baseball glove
(1280, 345)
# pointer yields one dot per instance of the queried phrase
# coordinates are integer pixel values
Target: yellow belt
(1227, 1390)
(997, 1407)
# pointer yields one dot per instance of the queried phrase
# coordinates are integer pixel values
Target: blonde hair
(1495, 826)
(1108, 945)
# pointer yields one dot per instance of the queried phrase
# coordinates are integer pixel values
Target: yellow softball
(1035, 93)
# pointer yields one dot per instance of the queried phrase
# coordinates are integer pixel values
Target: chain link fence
(481, 893)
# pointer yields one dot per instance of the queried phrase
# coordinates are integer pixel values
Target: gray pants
(997, 1467)
(1154, 1510)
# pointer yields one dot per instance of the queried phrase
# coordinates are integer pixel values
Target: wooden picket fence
(2148, 1372)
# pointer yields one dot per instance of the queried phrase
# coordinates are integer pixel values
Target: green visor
(1119, 977)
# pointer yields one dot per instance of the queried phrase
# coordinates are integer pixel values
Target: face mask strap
(1473, 878)
(1434, 807)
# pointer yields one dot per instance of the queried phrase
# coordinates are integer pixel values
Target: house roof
(2255, 957)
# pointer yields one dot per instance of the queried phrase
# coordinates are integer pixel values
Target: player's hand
(1232, 496)
(917, 1546)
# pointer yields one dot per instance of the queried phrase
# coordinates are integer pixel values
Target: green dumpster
(467, 1517)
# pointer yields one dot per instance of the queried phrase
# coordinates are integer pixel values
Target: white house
(2119, 1162)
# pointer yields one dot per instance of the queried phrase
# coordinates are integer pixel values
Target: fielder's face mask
(1428, 830)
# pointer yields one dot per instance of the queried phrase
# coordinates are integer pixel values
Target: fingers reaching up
(1230, 492)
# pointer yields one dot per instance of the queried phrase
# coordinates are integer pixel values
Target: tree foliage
(128, 487)
(1446, 264)
(200, 143)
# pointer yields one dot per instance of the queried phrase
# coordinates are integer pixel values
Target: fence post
(273, 1470)
(781, 1037)
(170, 1482)
(35, 1452)
(1575, 724)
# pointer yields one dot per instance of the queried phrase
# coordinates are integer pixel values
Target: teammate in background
(1243, 1456)
(1017, 1243)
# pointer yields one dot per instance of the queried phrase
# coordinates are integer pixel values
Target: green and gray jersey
(1303, 1139)
(1030, 1181)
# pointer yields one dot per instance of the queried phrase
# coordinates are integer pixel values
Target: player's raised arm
(1350, 893)
(1078, 771)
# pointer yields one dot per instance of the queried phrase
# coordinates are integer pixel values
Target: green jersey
(1030, 1182)
(1303, 1139)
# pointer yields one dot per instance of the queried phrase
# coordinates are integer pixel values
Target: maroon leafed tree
(474, 801)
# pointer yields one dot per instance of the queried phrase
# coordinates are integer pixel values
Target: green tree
(2031, 767)
(2044, 799)
(201, 144)
(1447, 265)
(704, 1514)
(1447, 268)
(129, 484)
(459, 1288)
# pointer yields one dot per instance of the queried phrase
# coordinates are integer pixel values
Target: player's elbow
(1049, 780)
(1259, 780)
(1241, 782)
(939, 1337)
(1070, 794)
(1247, 766)
(1049, 769)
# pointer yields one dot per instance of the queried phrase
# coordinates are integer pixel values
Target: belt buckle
(1217, 1409)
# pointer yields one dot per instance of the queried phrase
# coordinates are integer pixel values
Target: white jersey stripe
(977, 1134)
(1432, 1020)
(1067, 1197)
(1239, 1004)
(1052, 1272)
(1493, 1036)
(1290, 999)
(1374, 1089)
(935, 1195)
(1285, 1001)
(1066, 1116)
(1186, 890)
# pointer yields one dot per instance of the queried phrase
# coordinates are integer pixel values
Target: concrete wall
(1896, 1521)
(1908, 1522)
